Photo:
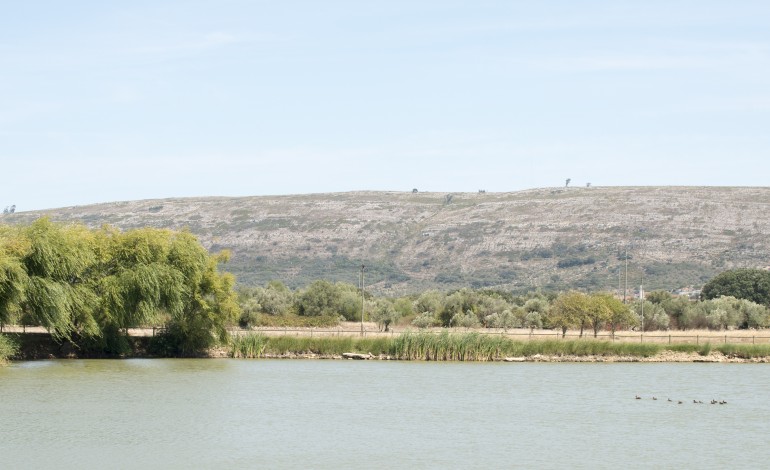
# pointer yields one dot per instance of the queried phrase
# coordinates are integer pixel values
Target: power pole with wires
(363, 267)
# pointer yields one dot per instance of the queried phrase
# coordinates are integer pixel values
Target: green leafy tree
(322, 298)
(431, 301)
(13, 276)
(90, 286)
(676, 308)
(533, 319)
(569, 310)
(505, 320)
(384, 313)
(749, 284)
(465, 320)
(404, 306)
(57, 265)
(597, 313)
(620, 315)
(350, 302)
(655, 318)
(209, 303)
(658, 296)
(424, 320)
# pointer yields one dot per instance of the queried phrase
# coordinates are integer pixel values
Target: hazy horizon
(150, 100)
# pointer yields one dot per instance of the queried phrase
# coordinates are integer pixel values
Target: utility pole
(625, 289)
(641, 297)
(362, 299)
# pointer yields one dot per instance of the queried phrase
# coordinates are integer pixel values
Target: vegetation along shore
(88, 288)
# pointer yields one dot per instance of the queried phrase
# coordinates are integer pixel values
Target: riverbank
(468, 347)
(664, 356)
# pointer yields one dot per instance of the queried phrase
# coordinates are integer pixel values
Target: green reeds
(446, 346)
(248, 346)
(258, 345)
(745, 351)
(479, 347)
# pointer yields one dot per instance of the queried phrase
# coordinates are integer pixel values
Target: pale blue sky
(122, 100)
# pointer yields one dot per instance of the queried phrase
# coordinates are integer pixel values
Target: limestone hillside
(543, 238)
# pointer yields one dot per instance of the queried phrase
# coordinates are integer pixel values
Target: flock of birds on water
(697, 402)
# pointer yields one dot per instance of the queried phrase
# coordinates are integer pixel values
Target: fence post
(669, 339)
(641, 338)
(752, 340)
(725, 339)
(696, 339)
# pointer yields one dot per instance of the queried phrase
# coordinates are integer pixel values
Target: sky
(126, 100)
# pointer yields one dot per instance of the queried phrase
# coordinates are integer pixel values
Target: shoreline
(664, 357)
(40, 346)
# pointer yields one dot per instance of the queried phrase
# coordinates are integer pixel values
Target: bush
(424, 320)
(8, 348)
(465, 320)
(248, 319)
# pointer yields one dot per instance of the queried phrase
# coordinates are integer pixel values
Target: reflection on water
(213, 413)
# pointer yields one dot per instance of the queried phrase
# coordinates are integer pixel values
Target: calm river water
(222, 413)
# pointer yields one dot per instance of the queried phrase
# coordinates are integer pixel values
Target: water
(222, 413)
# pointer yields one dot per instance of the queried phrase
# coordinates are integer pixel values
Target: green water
(223, 413)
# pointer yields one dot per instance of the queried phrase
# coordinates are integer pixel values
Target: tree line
(89, 286)
(732, 300)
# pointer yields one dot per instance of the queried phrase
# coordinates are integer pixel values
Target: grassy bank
(434, 347)
(8, 348)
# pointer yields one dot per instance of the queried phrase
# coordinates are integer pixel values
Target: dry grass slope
(550, 238)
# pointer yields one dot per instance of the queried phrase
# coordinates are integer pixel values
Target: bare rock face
(542, 238)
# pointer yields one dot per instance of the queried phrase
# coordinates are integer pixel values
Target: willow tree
(133, 281)
(13, 276)
(208, 302)
(57, 264)
(161, 277)
(90, 286)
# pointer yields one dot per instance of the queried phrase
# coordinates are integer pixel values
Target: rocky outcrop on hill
(542, 238)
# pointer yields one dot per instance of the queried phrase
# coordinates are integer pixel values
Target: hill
(542, 238)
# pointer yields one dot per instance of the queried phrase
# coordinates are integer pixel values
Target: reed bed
(446, 346)
(745, 351)
(247, 346)
(476, 347)
(258, 345)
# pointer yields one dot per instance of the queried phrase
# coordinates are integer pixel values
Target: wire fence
(533, 336)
